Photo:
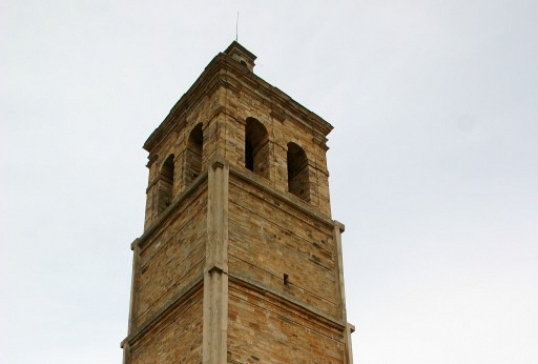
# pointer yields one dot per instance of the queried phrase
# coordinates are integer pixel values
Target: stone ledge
(257, 181)
(156, 318)
(222, 73)
(157, 224)
(291, 200)
(284, 299)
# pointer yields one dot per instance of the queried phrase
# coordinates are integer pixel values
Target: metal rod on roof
(237, 27)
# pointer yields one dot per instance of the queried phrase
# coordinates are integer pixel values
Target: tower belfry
(240, 260)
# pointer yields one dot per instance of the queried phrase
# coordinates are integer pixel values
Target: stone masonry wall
(269, 238)
(176, 339)
(223, 115)
(173, 258)
(265, 330)
(245, 103)
(204, 112)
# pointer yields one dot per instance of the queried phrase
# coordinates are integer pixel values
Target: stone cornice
(260, 288)
(287, 198)
(160, 223)
(282, 105)
(255, 180)
(203, 86)
(223, 71)
(156, 318)
(287, 300)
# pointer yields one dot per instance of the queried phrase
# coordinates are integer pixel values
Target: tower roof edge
(242, 55)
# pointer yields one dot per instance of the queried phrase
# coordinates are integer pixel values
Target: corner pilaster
(216, 267)
(132, 302)
(338, 229)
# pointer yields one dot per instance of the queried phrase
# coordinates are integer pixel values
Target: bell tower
(240, 260)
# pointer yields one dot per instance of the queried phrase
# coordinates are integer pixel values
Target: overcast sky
(433, 162)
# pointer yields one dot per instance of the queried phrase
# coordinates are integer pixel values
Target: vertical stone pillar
(135, 247)
(132, 304)
(216, 267)
(337, 235)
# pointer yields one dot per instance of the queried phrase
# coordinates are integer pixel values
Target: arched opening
(195, 146)
(166, 183)
(298, 178)
(256, 148)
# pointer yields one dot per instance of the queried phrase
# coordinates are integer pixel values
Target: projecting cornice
(225, 71)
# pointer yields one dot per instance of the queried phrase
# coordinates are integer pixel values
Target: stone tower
(240, 261)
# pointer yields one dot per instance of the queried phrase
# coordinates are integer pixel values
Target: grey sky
(433, 161)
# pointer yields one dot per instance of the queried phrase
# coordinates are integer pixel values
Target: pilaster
(337, 235)
(215, 309)
(132, 301)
